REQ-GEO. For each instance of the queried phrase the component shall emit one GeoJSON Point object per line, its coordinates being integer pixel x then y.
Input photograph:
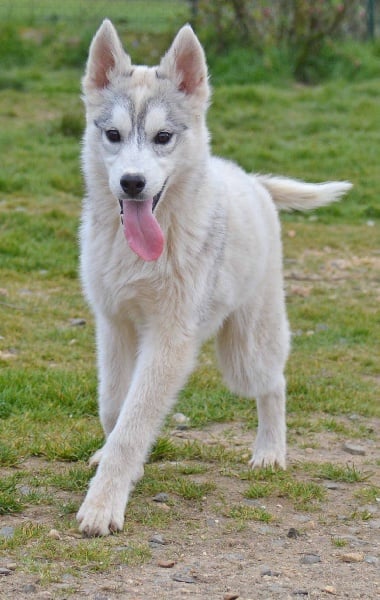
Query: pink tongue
{"type": "Point", "coordinates": [143, 233]}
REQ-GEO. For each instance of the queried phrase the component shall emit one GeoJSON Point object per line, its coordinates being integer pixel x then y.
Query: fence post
{"type": "Point", "coordinates": [194, 11]}
{"type": "Point", "coordinates": [371, 19]}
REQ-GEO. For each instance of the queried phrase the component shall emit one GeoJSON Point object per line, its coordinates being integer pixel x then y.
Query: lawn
{"type": "Point", "coordinates": [48, 416]}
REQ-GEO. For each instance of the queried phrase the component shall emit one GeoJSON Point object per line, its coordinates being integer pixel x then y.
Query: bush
{"type": "Point", "coordinates": [301, 29]}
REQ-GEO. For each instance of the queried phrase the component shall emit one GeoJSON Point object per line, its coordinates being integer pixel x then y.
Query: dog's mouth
{"type": "Point", "coordinates": [141, 228]}
{"type": "Point", "coordinates": [156, 200]}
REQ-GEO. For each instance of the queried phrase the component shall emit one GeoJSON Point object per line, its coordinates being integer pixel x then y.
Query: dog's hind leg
{"type": "Point", "coordinates": [252, 347]}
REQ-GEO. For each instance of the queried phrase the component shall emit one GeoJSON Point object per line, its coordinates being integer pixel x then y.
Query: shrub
{"type": "Point", "coordinates": [301, 29]}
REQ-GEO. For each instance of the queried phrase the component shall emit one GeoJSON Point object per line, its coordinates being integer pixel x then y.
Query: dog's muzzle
{"type": "Point", "coordinates": [156, 200]}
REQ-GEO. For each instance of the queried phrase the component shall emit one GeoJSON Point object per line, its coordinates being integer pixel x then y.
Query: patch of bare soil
{"type": "Point", "coordinates": [333, 552]}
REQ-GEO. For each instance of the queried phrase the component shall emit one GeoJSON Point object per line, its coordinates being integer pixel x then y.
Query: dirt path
{"type": "Point", "coordinates": [204, 553]}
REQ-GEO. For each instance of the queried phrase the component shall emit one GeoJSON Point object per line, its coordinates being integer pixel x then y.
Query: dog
{"type": "Point", "coordinates": [195, 252]}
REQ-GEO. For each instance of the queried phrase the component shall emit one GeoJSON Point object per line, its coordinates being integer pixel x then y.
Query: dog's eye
{"type": "Point", "coordinates": [162, 137]}
{"type": "Point", "coordinates": [113, 135]}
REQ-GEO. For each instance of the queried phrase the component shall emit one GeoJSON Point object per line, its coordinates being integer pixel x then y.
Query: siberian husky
{"type": "Point", "coordinates": [198, 253]}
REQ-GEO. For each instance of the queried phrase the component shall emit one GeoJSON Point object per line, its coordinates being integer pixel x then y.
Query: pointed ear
{"type": "Point", "coordinates": [106, 56]}
{"type": "Point", "coordinates": [185, 64]}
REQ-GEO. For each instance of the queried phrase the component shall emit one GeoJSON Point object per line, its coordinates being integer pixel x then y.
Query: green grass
{"type": "Point", "coordinates": [10, 501]}
{"type": "Point", "coordinates": [46, 12]}
{"type": "Point", "coordinates": [369, 494]}
{"type": "Point", "coordinates": [242, 514]}
{"type": "Point", "coordinates": [338, 542]}
{"type": "Point", "coordinates": [347, 473]}
{"type": "Point", "coordinates": [48, 413]}
{"type": "Point", "coordinates": [175, 481]}
{"type": "Point", "coordinates": [46, 555]}
{"type": "Point", "coordinates": [8, 456]}
{"type": "Point", "coordinates": [75, 479]}
{"type": "Point", "coordinates": [304, 495]}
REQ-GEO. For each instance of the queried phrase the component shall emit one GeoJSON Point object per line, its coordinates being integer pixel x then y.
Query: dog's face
{"type": "Point", "coordinates": [144, 122]}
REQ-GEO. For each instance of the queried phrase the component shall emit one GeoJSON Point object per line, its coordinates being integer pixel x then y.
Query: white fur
{"type": "Point", "coordinates": [220, 271]}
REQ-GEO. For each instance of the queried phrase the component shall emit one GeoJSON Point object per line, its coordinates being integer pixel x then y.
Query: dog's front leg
{"type": "Point", "coordinates": [161, 370]}
{"type": "Point", "coordinates": [117, 351]}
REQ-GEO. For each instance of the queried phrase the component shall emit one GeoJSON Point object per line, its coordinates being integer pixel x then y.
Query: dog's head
{"type": "Point", "coordinates": [142, 123]}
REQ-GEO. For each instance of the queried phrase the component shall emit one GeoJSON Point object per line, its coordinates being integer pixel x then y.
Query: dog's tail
{"type": "Point", "coordinates": [291, 194]}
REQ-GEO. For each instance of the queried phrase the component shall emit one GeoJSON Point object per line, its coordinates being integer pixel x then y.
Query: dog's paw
{"type": "Point", "coordinates": [266, 458]}
{"type": "Point", "coordinates": [96, 458]}
{"type": "Point", "coordinates": [100, 516]}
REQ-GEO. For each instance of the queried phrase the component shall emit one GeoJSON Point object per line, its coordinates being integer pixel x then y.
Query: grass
{"type": "Point", "coordinates": [46, 555]}
{"type": "Point", "coordinates": [369, 494]}
{"type": "Point", "coordinates": [46, 12]}
{"type": "Point", "coordinates": [171, 480]}
{"type": "Point", "coordinates": [304, 495]}
{"type": "Point", "coordinates": [9, 499]}
{"type": "Point", "coordinates": [48, 414]}
{"type": "Point", "coordinates": [242, 514]}
{"type": "Point", "coordinates": [346, 473]}
{"type": "Point", "coordinates": [338, 542]}
{"type": "Point", "coordinates": [287, 485]}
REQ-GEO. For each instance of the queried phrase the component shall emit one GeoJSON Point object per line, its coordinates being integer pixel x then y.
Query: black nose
{"type": "Point", "coordinates": [132, 184]}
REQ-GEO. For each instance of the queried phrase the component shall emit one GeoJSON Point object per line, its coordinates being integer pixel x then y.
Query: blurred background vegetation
{"type": "Point", "coordinates": [247, 41]}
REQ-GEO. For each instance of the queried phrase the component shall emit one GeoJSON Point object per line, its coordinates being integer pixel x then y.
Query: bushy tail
{"type": "Point", "coordinates": [291, 194]}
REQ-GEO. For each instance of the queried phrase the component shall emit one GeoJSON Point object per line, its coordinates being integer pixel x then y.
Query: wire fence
{"type": "Point", "coordinates": [154, 15]}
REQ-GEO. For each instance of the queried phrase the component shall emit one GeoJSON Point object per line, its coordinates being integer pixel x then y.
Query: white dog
{"type": "Point", "coordinates": [198, 254]}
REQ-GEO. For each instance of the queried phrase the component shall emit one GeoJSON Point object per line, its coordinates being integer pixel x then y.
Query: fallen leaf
{"type": "Point", "coordinates": [166, 564]}
{"type": "Point", "coordinates": [298, 290]}
{"type": "Point", "coordinates": [329, 589]}
{"type": "Point", "coordinates": [7, 355]}
{"type": "Point", "coordinates": [351, 557]}
{"type": "Point", "coordinates": [54, 534]}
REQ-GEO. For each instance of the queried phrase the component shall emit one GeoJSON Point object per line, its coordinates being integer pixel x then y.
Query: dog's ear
{"type": "Point", "coordinates": [185, 63]}
{"type": "Point", "coordinates": [106, 57]}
